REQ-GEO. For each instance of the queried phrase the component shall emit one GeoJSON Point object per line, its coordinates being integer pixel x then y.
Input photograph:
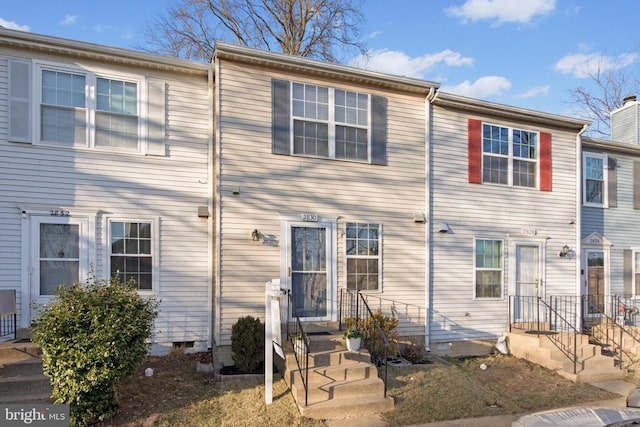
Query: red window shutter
{"type": "Point", "coordinates": [545, 161]}
{"type": "Point", "coordinates": [475, 151]}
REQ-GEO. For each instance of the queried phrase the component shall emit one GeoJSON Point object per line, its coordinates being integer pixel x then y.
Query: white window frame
{"type": "Point", "coordinates": [357, 256]}
{"type": "Point", "coordinates": [511, 157]}
{"type": "Point", "coordinates": [501, 269]}
{"type": "Point", "coordinates": [331, 123]}
{"type": "Point", "coordinates": [91, 78]}
{"type": "Point", "coordinates": [605, 180]}
{"type": "Point", "coordinates": [155, 248]}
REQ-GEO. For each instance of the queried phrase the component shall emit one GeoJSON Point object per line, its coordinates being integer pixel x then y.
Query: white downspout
{"type": "Point", "coordinates": [431, 96]}
{"type": "Point", "coordinates": [217, 273]}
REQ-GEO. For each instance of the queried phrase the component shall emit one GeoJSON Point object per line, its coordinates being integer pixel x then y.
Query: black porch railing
{"type": "Point", "coordinates": [556, 318]}
{"type": "Point", "coordinates": [355, 313]}
{"type": "Point", "coordinates": [300, 343]}
{"type": "Point", "coordinates": [8, 314]}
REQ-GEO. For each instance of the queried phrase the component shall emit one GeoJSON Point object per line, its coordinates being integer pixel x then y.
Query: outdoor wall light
{"type": "Point", "coordinates": [256, 235]}
{"type": "Point", "coordinates": [564, 252]}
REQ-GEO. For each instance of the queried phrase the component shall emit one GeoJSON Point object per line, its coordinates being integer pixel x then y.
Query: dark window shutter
{"type": "Point", "coordinates": [378, 130]}
{"type": "Point", "coordinates": [627, 272]}
{"type": "Point", "coordinates": [157, 118]}
{"type": "Point", "coordinates": [281, 117]}
{"type": "Point", "coordinates": [475, 151]}
{"type": "Point", "coordinates": [546, 171]}
{"type": "Point", "coordinates": [19, 100]}
{"type": "Point", "coordinates": [612, 184]}
{"type": "Point", "coordinates": [636, 185]}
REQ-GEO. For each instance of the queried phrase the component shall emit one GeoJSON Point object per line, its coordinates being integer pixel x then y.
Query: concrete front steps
{"type": "Point", "coordinates": [591, 367]}
{"type": "Point", "coordinates": [21, 377]}
{"type": "Point", "coordinates": [341, 383]}
{"type": "Point", "coordinates": [609, 336]}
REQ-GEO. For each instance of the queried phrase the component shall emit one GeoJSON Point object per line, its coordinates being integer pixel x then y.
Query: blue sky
{"type": "Point", "coordinates": [526, 53]}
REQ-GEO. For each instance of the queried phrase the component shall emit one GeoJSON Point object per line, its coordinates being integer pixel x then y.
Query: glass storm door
{"type": "Point", "coordinates": [58, 255]}
{"type": "Point", "coordinates": [595, 282]}
{"type": "Point", "coordinates": [527, 286]}
{"type": "Point", "coordinates": [308, 270]}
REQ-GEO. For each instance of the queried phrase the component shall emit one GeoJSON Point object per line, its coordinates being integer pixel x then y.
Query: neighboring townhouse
{"type": "Point", "coordinates": [106, 168]}
{"type": "Point", "coordinates": [610, 257]}
{"type": "Point", "coordinates": [502, 195]}
{"type": "Point", "coordinates": [321, 184]}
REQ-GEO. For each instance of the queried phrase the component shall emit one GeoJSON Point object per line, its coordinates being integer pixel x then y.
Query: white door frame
{"type": "Point", "coordinates": [311, 220]}
{"type": "Point", "coordinates": [31, 220]}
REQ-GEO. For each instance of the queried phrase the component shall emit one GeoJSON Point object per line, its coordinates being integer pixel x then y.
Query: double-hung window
{"type": "Point", "coordinates": [325, 122]}
{"type": "Point", "coordinates": [362, 246]}
{"type": "Point", "coordinates": [488, 268]}
{"type": "Point", "coordinates": [83, 109]}
{"type": "Point", "coordinates": [131, 252]}
{"type": "Point", "coordinates": [509, 156]}
{"type": "Point", "coordinates": [594, 185]}
{"type": "Point", "coordinates": [636, 273]}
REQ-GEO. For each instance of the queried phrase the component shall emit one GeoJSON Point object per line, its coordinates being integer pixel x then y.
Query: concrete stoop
{"type": "Point", "coordinates": [592, 366]}
{"type": "Point", "coordinates": [21, 377]}
{"type": "Point", "coordinates": [341, 383]}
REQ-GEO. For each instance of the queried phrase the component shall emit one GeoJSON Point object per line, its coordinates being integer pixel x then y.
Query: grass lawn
{"type": "Point", "coordinates": [179, 396]}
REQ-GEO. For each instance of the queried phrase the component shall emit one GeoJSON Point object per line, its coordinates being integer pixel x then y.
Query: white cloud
{"type": "Point", "coordinates": [585, 64]}
{"type": "Point", "coordinates": [399, 63]}
{"type": "Point", "coordinates": [522, 11]}
{"type": "Point", "coordinates": [481, 88]}
{"type": "Point", "coordinates": [535, 91]}
{"type": "Point", "coordinates": [69, 20]}
{"type": "Point", "coordinates": [13, 26]}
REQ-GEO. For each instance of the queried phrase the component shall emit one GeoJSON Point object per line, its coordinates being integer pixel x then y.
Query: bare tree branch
{"type": "Point", "coordinates": [320, 29]}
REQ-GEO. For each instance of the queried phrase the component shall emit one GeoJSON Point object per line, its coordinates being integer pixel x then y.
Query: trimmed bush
{"type": "Point", "coordinates": [247, 343]}
{"type": "Point", "coordinates": [93, 335]}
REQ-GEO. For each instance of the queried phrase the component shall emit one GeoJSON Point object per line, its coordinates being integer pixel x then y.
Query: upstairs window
{"type": "Point", "coordinates": [363, 243]}
{"type": "Point", "coordinates": [59, 105]}
{"type": "Point", "coordinates": [594, 185]}
{"type": "Point", "coordinates": [63, 108]}
{"type": "Point", "coordinates": [319, 121]}
{"type": "Point", "coordinates": [509, 156]}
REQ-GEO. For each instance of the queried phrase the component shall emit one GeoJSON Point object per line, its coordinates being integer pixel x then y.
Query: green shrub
{"type": "Point", "coordinates": [93, 335]}
{"type": "Point", "coordinates": [247, 343]}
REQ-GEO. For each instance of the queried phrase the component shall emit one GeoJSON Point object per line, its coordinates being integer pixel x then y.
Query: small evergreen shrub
{"type": "Point", "coordinates": [93, 335]}
{"type": "Point", "coordinates": [247, 343]}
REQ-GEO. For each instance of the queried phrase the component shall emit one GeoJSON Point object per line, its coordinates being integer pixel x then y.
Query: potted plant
{"type": "Point", "coordinates": [298, 343]}
{"type": "Point", "coordinates": [353, 337]}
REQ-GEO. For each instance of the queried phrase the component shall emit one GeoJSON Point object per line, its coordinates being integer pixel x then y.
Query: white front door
{"type": "Point", "coordinates": [58, 255]}
{"type": "Point", "coordinates": [310, 278]}
{"type": "Point", "coordinates": [528, 286]}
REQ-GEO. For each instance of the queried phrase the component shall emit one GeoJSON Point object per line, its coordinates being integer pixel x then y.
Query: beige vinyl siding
{"type": "Point", "coordinates": [271, 185]}
{"type": "Point", "coordinates": [127, 186]}
{"type": "Point", "coordinates": [492, 212]}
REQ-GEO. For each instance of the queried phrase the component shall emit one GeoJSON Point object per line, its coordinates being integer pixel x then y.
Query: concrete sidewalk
{"type": "Point", "coordinates": [621, 388]}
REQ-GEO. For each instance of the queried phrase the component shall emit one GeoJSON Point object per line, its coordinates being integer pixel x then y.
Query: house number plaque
{"type": "Point", "coordinates": [58, 212]}
{"type": "Point", "coordinates": [308, 217]}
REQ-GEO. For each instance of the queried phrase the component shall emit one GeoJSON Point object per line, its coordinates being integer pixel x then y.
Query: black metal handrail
{"type": "Point", "coordinates": [355, 313]}
{"type": "Point", "coordinates": [300, 343]}
{"type": "Point", "coordinates": [556, 319]}
{"type": "Point", "coordinates": [8, 314]}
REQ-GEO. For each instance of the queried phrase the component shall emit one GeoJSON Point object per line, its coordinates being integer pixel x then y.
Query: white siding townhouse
{"type": "Point", "coordinates": [205, 181]}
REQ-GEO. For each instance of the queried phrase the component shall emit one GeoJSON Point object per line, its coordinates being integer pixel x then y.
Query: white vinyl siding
{"type": "Point", "coordinates": [350, 191]}
{"type": "Point", "coordinates": [496, 211]}
{"type": "Point", "coordinates": [127, 186]}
